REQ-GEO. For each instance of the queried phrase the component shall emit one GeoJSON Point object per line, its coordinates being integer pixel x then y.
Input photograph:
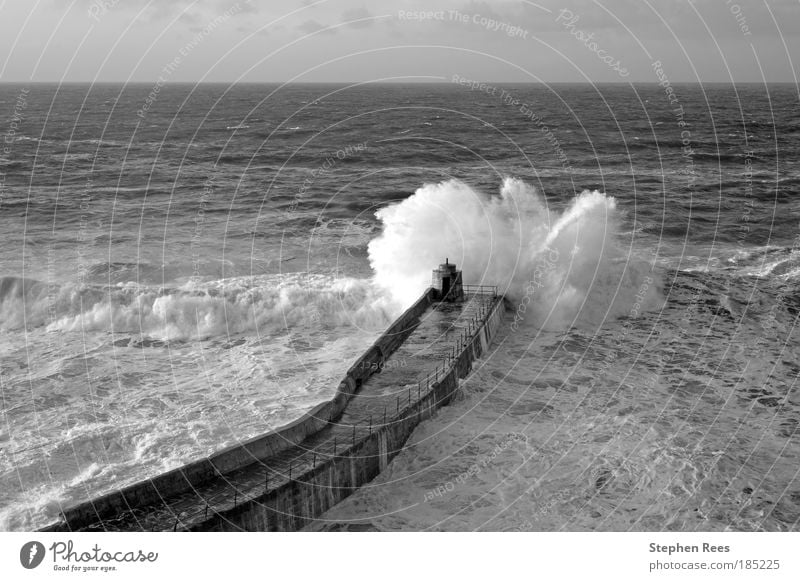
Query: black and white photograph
{"type": "Point", "coordinates": [422, 266]}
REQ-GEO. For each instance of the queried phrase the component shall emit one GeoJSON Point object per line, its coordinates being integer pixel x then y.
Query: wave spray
{"type": "Point", "coordinates": [560, 268]}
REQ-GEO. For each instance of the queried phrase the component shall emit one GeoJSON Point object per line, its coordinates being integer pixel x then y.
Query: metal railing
{"type": "Point", "coordinates": [480, 289]}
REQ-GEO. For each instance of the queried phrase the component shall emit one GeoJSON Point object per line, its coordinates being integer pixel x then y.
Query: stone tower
{"type": "Point", "coordinates": [447, 282]}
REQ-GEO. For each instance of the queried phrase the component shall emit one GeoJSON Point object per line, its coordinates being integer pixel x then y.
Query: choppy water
{"type": "Point", "coordinates": [176, 280]}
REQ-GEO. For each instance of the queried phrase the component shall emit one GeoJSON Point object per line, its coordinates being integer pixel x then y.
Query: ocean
{"type": "Point", "coordinates": [187, 266]}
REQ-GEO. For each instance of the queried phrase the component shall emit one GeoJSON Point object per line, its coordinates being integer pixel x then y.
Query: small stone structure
{"type": "Point", "coordinates": [447, 283]}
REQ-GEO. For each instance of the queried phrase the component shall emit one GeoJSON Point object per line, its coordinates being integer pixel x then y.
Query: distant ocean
{"type": "Point", "coordinates": [186, 267]}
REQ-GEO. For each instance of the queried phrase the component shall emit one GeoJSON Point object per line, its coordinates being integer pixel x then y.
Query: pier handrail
{"type": "Point", "coordinates": [480, 289]}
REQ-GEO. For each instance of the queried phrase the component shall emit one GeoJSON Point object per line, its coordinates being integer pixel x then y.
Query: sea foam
{"type": "Point", "coordinates": [559, 267]}
{"type": "Point", "coordinates": [198, 310]}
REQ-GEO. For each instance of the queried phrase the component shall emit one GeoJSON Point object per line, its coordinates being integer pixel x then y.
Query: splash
{"type": "Point", "coordinates": [561, 268]}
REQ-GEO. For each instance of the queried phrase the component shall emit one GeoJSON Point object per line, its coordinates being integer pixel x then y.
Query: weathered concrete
{"type": "Point", "coordinates": [252, 486]}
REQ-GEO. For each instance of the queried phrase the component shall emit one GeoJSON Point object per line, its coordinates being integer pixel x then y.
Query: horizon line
{"type": "Point", "coordinates": [389, 82]}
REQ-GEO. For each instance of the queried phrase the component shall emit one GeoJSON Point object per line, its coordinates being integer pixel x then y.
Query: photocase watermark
{"type": "Point", "coordinates": [378, 367]}
{"type": "Point", "coordinates": [546, 262]}
{"type": "Point", "coordinates": [475, 468]}
{"type": "Point", "coordinates": [599, 476]}
{"type": "Point", "coordinates": [687, 152]}
{"type": "Point", "coordinates": [421, 15]}
{"type": "Point", "coordinates": [31, 554]}
{"type": "Point", "coordinates": [738, 14]}
{"type": "Point", "coordinates": [541, 509]}
{"type": "Point", "coordinates": [568, 20]}
{"type": "Point", "coordinates": [9, 136]}
{"type": "Point", "coordinates": [490, 24]}
{"type": "Point", "coordinates": [100, 7]}
{"type": "Point", "coordinates": [83, 228]}
{"type": "Point", "coordinates": [640, 295]}
{"type": "Point", "coordinates": [525, 109]}
{"type": "Point", "coordinates": [199, 220]}
{"type": "Point", "coordinates": [325, 167]}
{"type": "Point", "coordinates": [633, 313]}
{"type": "Point", "coordinates": [67, 558]}
{"type": "Point", "coordinates": [96, 558]}
{"type": "Point", "coordinates": [152, 96]}
{"type": "Point", "coordinates": [744, 229]}
{"type": "Point", "coordinates": [17, 118]}
{"type": "Point", "coordinates": [169, 69]}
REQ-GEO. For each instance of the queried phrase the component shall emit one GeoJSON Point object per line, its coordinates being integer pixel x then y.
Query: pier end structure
{"type": "Point", "coordinates": [447, 283]}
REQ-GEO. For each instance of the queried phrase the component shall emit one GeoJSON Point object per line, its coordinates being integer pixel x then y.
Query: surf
{"type": "Point", "coordinates": [567, 266]}
{"type": "Point", "coordinates": [264, 304]}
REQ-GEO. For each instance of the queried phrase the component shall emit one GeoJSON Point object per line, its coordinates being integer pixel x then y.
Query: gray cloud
{"type": "Point", "coordinates": [695, 39]}
{"type": "Point", "coordinates": [312, 26]}
{"type": "Point", "coordinates": [245, 6]}
{"type": "Point", "coordinates": [358, 14]}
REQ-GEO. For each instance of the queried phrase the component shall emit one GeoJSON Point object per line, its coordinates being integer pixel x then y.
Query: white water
{"type": "Point", "coordinates": [562, 267]}
{"type": "Point", "coordinates": [195, 310]}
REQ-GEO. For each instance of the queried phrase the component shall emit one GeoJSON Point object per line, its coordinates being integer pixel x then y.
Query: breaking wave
{"type": "Point", "coordinates": [193, 311]}
{"type": "Point", "coordinates": [563, 267]}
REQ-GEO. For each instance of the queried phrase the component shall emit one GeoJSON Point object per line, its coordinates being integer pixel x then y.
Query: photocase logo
{"type": "Point", "coordinates": [31, 554]}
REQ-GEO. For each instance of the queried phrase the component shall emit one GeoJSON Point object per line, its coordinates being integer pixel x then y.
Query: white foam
{"type": "Point", "coordinates": [209, 309]}
{"type": "Point", "coordinates": [562, 266]}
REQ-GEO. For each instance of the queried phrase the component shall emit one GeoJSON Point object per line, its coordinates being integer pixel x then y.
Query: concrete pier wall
{"type": "Point", "coordinates": [296, 503]}
{"type": "Point", "coordinates": [187, 477]}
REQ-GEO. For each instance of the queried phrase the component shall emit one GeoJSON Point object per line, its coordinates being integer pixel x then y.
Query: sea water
{"type": "Point", "coordinates": [182, 278]}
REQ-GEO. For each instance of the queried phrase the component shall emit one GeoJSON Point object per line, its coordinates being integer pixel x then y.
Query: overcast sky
{"type": "Point", "coordinates": [356, 40]}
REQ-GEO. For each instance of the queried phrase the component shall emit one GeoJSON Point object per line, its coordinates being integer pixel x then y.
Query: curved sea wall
{"type": "Point", "coordinates": [259, 448]}
{"type": "Point", "coordinates": [299, 501]}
